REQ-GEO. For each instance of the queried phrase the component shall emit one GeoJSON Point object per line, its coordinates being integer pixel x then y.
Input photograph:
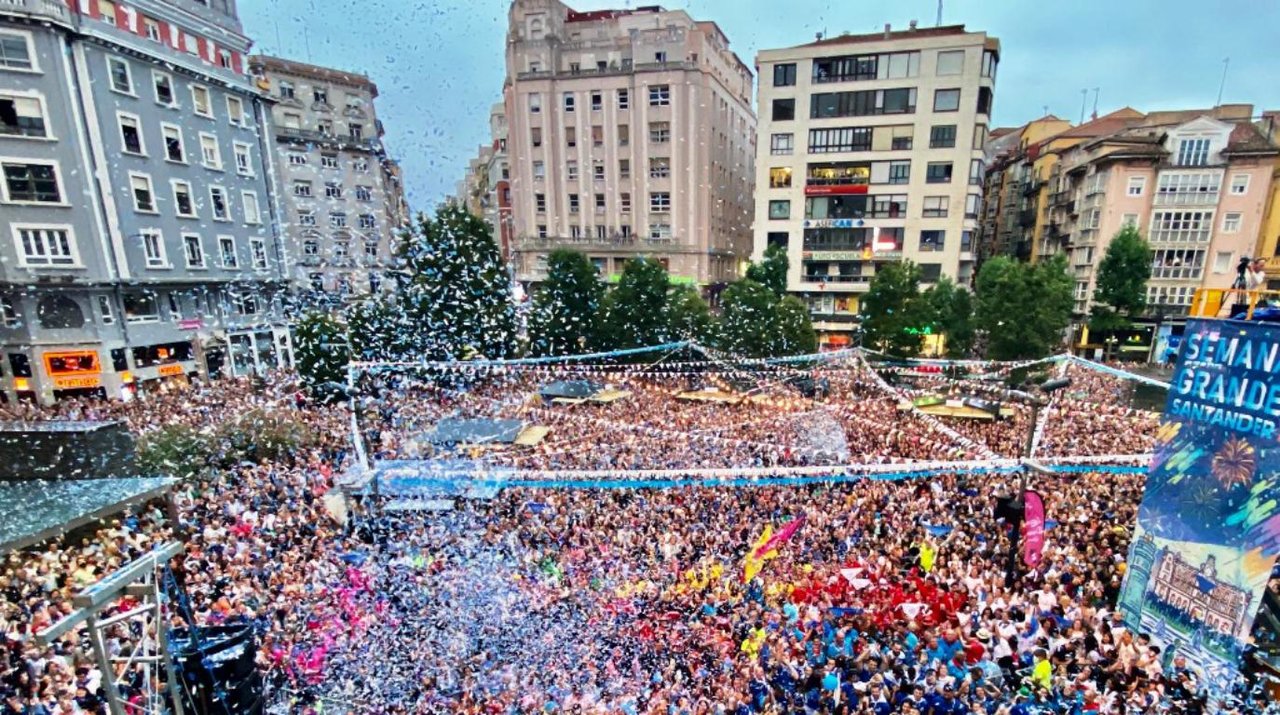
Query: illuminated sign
{"type": "Point", "coordinates": [832, 255]}
{"type": "Point", "coordinates": [837, 190]}
{"type": "Point", "coordinates": [76, 383]}
{"type": "Point", "coordinates": [78, 362]}
{"type": "Point", "coordinates": [170, 370]}
{"type": "Point", "coordinates": [833, 223]}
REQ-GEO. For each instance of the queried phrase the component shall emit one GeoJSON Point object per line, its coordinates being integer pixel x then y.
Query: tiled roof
{"type": "Point", "coordinates": [1247, 139]}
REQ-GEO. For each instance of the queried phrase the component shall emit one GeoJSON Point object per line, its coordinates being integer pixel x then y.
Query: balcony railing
{"type": "Point", "coordinates": [51, 9]}
{"type": "Point", "coordinates": [314, 137]}
{"type": "Point", "coordinates": [1027, 217]}
{"type": "Point", "coordinates": [836, 279]}
{"type": "Point", "coordinates": [613, 242]}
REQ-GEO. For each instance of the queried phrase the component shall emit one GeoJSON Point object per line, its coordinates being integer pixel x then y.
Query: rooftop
{"type": "Point", "coordinates": [260, 63]}
{"type": "Point", "coordinates": [35, 511]}
{"type": "Point", "coordinates": [889, 35]}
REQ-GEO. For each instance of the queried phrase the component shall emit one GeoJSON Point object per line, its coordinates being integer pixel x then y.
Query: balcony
{"type": "Point", "coordinates": [290, 134]}
{"type": "Point", "coordinates": [615, 242]}
{"type": "Point", "coordinates": [844, 280]}
{"type": "Point", "coordinates": [1027, 217]}
{"type": "Point", "coordinates": [38, 9]}
{"type": "Point", "coordinates": [1031, 187]}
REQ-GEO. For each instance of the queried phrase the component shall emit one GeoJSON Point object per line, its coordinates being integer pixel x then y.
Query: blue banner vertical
{"type": "Point", "coordinates": [1208, 527]}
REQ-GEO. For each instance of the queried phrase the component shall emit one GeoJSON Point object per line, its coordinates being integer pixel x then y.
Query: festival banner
{"type": "Point", "coordinates": [1033, 525]}
{"type": "Point", "coordinates": [1208, 526]}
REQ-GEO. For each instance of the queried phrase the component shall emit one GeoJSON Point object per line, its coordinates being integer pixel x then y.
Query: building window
{"type": "Point", "coordinates": [597, 170]}
{"type": "Point", "coordinates": [902, 137]}
{"type": "Point", "coordinates": [144, 199]}
{"type": "Point", "coordinates": [1137, 185]}
{"type": "Point", "coordinates": [41, 246]}
{"type": "Point", "coordinates": [597, 101]}
{"type": "Point", "coordinates": [141, 308]}
{"type": "Point", "coordinates": [975, 172]}
{"type": "Point", "coordinates": [364, 193]}
{"type": "Point", "coordinates": [574, 207]}
{"type": "Point", "coordinates": [935, 206]}
{"type": "Point", "coordinates": [104, 309]}
{"type": "Point", "coordinates": [1239, 184]}
{"type": "Point", "coordinates": [984, 100]}
{"type": "Point", "coordinates": [22, 116]}
{"type": "Point", "coordinates": [332, 190]}
{"type": "Point", "coordinates": [1195, 187]}
{"type": "Point", "coordinates": [932, 240]}
{"type": "Point", "coordinates": [131, 134]}
{"type": "Point", "coordinates": [600, 204]}
{"type": "Point", "coordinates": [1231, 222]}
{"type": "Point", "coordinates": [946, 100]}
{"type": "Point", "coordinates": [597, 136]}
{"type": "Point", "coordinates": [1130, 220]}
{"type": "Point", "coordinates": [200, 100]}
{"type": "Point", "coordinates": [624, 168]}
{"type": "Point", "coordinates": [782, 144]}
{"type": "Point", "coordinates": [210, 154]}
{"type": "Point", "coordinates": [542, 230]}
{"type": "Point", "coordinates": [784, 110]}
{"type": "Point", "coordinates": [218, 201]}
{"type": "Point", "coordinates": [624, 99]}
{"type": "Point", "coordinates": [540, 203]}
{"type": "Point", "coordinates": [535, 103]}
{"type": "Point", "coordinates": [235, 111]}
{"type": "Point", "coordinates": [193, 249]}
{"type": "Point", "coordinates": [15, 53]}
{"type": "Point", "coordinates": [972, 203]}
{"type": "Point", "coordinates": [660, 232]}
{"type": "Point", "coordinates": [938, 172]}
{"type": "Point", "coordinates": [568, 102]}
{"type": "Point", "coordinates": [989, 62]}
{"type": "Point", "coordinates": [899, 172]}
{"type": "Point", "coordinates": [950, 62]}
{"type": "Point", "coordinates": [660, 202]}
{"type": "Point", "coordinates": [827, 105]}
{"type": "Point", "coordinates": [227, 250]}
{"type": "Point", "coordinates": [942, 136]}
{"type": "Point", "coordinates": [367, 221]}
{"type": "Point", "coordinates": [325, 127]}
{"type": "Point", "coordinates": [302, 189]}
{"type": "Point", "coordinates": [1193, 152]}
{"type": "Point", "coordinates": [174, 148]}
{"type": "Point", "coordinates": [249, 202]}
{"type": "Point", "coordinates": [341, 249]}
{"type": "Point", "coordinates": [624, 203]}
{"type": "Point", "coordinates": [337, 219]}
{"type": "Point", "coordinates": [121, 77]}
{"type": "Point", "coordinates": [258, 251]}
{"type": "Point", "coordinates": [624, 134]}
{"type": "Point", "coordinates": [535, 136]}
{"type": "Point", "coordinates": [182, 202]}
{"type": "Point", "coordinates": [966, 241]}
{"type": "Point", "coordinates": [539, 170]}
{"type": "Point", "coordinates": [780, 177]}
{"type": "Point", "coordinates": [1180, 227]}
{"type": "Point", "coordinates": [571, 170]}
{"type": "Point", "coordinates": [570, 137]}
{"type": "Point", "coordinates": [320, 95]}
{"type": "Point", "coordinates": [163, 85]}
{"type": "Point", "coordinates": [659, 132]}
{"type": "Point", "coordinates": [624, 230]}
{"type": "Point", "coordinates": [784, 75]}
{"type": "Point", "coordinates": [153, 249]}
{"type": "Point", "coordinates": [306, 218]}
{"type": "Point", "coordinates": [224, 59]}
{"type": "Point", "coordinates": [244, 160]}
{"type": "Point", "coordinates": [371, 249]}
{"type": "Point", "coordinates": [842, 139]}
{"type": "Point", "coordinates": [779, 209]}
{"type": "Point", "coordinates": [575, 231]}
{"type": "Point", "coordinates": [311, 247]}
{"type": "Point", "coordinates": [287, 90]}
{"type": "Point", "coordinates": [659, 167]}
{"type": "Point", "coordinates": [29, 182]}
{"type": "Point", "coordinates": [355, 131]}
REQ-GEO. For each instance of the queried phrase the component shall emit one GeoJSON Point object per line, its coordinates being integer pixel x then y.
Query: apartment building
{"type": "Point", "coordinates": [630, 132]}
{"type": "Point", "coordinates": [339, 199]}
{"type": "Point", "coordinates": [485, 189]}
{"type": "Point", "coordinates": [1196, 183]}
{"type": "Point", "coordinates": [870, 150]}
{"type": "Point", "coordinates": [137, 199]}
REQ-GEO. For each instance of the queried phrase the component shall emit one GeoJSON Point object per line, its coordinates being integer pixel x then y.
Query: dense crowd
{"type": "Point", "coordinates": [890, 597]}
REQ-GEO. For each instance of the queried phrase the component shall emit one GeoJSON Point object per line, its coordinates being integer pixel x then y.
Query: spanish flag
{"type": "Point", "coordinates": [766, 547]}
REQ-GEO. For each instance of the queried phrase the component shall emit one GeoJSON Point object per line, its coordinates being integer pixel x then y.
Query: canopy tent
{"type": "Point", "coordinates": [65, 449]}
{"type": "Point", "coordinates": [712, 395]}
{"type": "Point", "coordinates": [967, 407]}
{"type": "Point", "coordinates": [454, 430]}
{"type": "Point", "coordinates": [573, 392]}
{"type": "Point", "coordinates": [34, 511]}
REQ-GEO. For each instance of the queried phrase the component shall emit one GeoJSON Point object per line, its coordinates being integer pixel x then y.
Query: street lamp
{"type": "Point", "coordinates": [1037, 401]}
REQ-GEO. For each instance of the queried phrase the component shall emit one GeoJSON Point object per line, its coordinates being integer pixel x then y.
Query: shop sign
{"type": "Point", "coordinates": [72, 363]}
{"type": "Point", "coordinates": [833, 255]}
{"type": "Point", "coordinates": [76, 383]}
{"type": "Point", "coordinates": [190, 324]}
{"type": "Point", "coordinates": [170, 370]}
{"type": "Point", "coordinates": [836, 190]}
{"type": "Point", "coordinates": [833, 223]}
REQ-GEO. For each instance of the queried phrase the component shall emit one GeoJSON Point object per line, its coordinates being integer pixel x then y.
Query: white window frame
{"type": "Point", "coordinates": [186, 255]}
{"type": "Point", "coordinates": [247, 169]}
{"type": "Point", "coordinates": [148, 25]}
{"type": "Point", "coordinates": [659, 205]}
{"type": "Point", "coordinates": [297, 183]}
{"type": "Point", "coordinates": [222, 255]}
{"type": "Point", "coordinates": [182, 143]}
{"type": "Point", "coordinates": [160, 261]}
{"type": "Point", "coordinates": [364, 193]}
{"type": "Point", "coordinates": [235, 118]}
{"type": "Point", "coordinates": [204, 160]}
{"type": "Point", "coordinates": [247, 199]}
{"type": "Point", "coordinates": [18, 228]}
{"type": "Point", "coordinates": [44, 113]}
{"type": "Point", "coordinates": [151, 189]}
{"type": "Point", "coordinates": [226, 203]}
{"type": "Point", "coordinates": [298, 155]}
{"type": "Point", "coordinates": [57, 178]}
{"type": "Point", "coordinates": [1244, 188]}
{"type": "Point", "coordinates": [137, 125]}
{"type": "Point", "coordinates": [128, 71]}
{"type": "Point", "coordinates": [195, 210]}
{"type": "Point", "coordinates": [624, 100]}
{"type": "Point", "coordinates": [254, 245]}
{"type": "Point", "coordinates": [1232, 217]}
{"type": "Point", "coordinates": [173, 89]}
{"type": "Point", "coordinates": [659, 95]}
{"type": "Point", "coordinates": [195, 104]}
{"type": "Point", "coordinates": [535, 102]}
{"type": "Point", "coordinates": [1137, 186]}
{"type": "Point", "coordinates": [105, 311]}
{"type": "Point", "coordinates": [29, 40]}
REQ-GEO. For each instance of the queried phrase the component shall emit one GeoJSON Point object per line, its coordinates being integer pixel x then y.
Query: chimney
{"type": "Point", "coordinates": [911, 26]}
{"type": "Point", "coordinates": [887, 29]}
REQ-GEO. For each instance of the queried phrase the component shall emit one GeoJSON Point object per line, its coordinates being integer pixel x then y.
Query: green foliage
{"type": "Point", "coordinates": [688, 315]}
{"type": "Point", "coordinates": [894, 311]}
{"type": "Point", "coordinates": [1024, 307]}
{"type": "Point", "coordinates": [453, 298]}
{"type": "Point", "coordinates": [175, 451]}
{"type": "Point", "coordinates": [951, 314]}
{"type": "Point", "coordinates": [634, 314]}
{"type": "Point", "coordinates": [566, 308]}
{"type": "Point", "coordinates": [755, 322]}
{"type": "Point", "coordinates": [771, 271]}
{"type": "Point", "coordinates": [1121, 291]}
{"type": "Point", "coordinates": [187, 452]}
{"type": "Point", "coordinates": [321, 352]}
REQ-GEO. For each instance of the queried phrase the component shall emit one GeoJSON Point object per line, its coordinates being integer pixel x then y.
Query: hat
{"type": "Point", "coordinates": [984, 634]}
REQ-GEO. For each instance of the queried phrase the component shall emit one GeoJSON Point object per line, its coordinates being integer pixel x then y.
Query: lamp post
{"type": "Point", "coordinates": [1038, 401]}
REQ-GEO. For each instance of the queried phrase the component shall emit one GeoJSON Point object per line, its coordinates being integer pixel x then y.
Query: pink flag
{"type": "Point", "coordinates": [784, 534]}
{"type": "Point", "coordinates": [1033, 536]}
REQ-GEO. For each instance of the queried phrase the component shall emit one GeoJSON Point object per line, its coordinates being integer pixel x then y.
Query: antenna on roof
{"type": "Point", "coordinates": [1084, 100]}
{"type": "Point", "coordinates": [1226, 63]}
{"type": "Point", "coordinates": [939, 23]}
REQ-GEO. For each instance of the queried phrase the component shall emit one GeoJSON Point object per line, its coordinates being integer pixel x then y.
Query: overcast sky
{"type": "Point", "coordinates": [439, 63]}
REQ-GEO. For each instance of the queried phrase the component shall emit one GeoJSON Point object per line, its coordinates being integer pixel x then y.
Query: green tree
{"type": "Point", "coordinates": [688, 315]}
{"type": "Point", "coordinates": [755, 322]}
{"type": "Point", "coordinates": [454, 294]}
{"type": "Point", "coordinates": [322, 352]}
{"type": "Point", "coordinates": [771, 271]}
{"type": "Point", "coordinates": [894, 312]}
{"type": "Point", "coordinates": [951, 314]}
{"type": "Point", "coordinates": [634, 313]}
{"type": "Point", "coordinates": [1024, 307]}
{"type": "Point", "coordinates": [1121, 291]}
{"type": "Point", "coordinates": [378, 330]}
{"type": "Point", "coordinates": [795, 328]}
{"type": "Point", "coordinates": [175, 451]}
{"type": "Point", "coordinates": [566, 308]}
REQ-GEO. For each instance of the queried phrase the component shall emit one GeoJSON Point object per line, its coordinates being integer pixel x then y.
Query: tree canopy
{"type": "Point", "coordinates": [564, 319]}
{"type": "Point", "coordinates": [1121, 289]}
{"type": "Point", "coordinates": [771, 271]}
{"type": "Point", "coordinates": [634, 313]}
{"type": "Point", "coordinates": [894, 311]}
{"type": "Point", "coordinates": [1024, 307]}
